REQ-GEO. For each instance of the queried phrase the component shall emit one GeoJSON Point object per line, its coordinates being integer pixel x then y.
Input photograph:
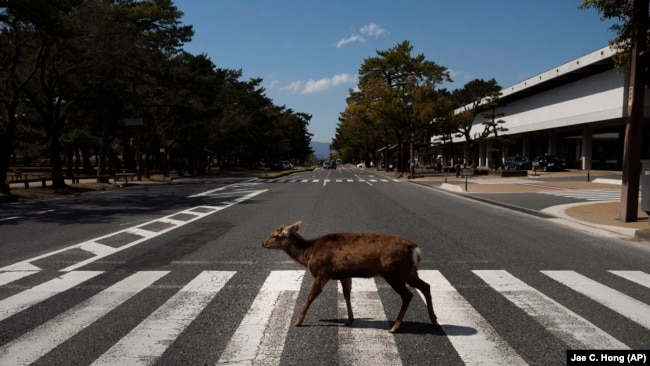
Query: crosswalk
{"type": "Point", "coordinates": [325, 180]}
{"type": "Point", "coordinates": [261, 336]}
{"type": "Point", "coordinates": [588, 194]}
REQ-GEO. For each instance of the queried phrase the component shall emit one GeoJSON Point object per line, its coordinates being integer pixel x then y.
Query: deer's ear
{"type": "Point", "coordinates": [293, 228]}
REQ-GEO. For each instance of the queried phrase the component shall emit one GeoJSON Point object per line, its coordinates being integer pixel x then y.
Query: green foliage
{"type": "Point", "coordinates": [622, 11]}
{"type": "Point", "coordinates": [73, 70]}
{"type": "Point", "coordinates": [395, 101]}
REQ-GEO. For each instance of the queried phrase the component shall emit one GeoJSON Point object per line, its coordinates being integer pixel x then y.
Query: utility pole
{"type": "Point", "coordinates": [635, 109]}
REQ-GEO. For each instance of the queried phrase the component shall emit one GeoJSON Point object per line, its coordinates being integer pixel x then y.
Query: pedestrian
{"type": "Point", "coordinates": [457, 170]}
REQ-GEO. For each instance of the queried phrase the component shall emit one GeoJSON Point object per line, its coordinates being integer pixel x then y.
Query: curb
{"type": "Point", "coordinates": [560, 212]}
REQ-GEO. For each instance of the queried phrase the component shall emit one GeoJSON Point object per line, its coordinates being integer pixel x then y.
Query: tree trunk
{"type": "Point", "coordinates": [6, 146]}
{"type": "Point", "coordinates": [58, 180]}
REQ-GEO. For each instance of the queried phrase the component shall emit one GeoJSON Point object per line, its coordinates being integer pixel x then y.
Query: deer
{"type": "Point", "coordinates": [341, 256]}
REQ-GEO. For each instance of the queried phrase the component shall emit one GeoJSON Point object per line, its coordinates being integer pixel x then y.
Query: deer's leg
{"type": "Point", "coordinates": [406, 294]}
{"type": "Point", "coordinates": [346, 283]}
{"type": "Point", "coordinates": [424, 287]}
{"type": "Point", "coordinates": [316, 288]}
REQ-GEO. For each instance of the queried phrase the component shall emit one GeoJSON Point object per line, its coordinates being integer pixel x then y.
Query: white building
{"type": "Point", "coordinates": [575, 111]}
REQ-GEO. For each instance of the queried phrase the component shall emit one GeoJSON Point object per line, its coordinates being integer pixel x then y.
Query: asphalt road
{"type": "Point", "coordinates": [175, 274]}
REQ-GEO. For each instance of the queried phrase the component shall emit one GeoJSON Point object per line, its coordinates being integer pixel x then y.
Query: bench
{"type": "Point", "coordinates": [174, 174]}
{"type": "Point", "coordinates": [102, 178]}
{"type": "Point", "coordinates": [117, 176]}
{"type": "Point", "coordinates": [43, 181]}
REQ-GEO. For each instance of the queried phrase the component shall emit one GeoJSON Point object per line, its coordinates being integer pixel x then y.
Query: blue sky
{"type": "Point", "coordinates": [308, 52]}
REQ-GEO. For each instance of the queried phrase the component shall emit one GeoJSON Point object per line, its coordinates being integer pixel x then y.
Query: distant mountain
{"type": "Point", "coordinates": [321, 149]}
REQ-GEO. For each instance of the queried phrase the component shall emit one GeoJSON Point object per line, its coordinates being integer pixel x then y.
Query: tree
{"type": "Point", "coordinates": [72, 70]}
{"type": "Point", "coordinates": [622, 10]}
{"type": "Point", "coordinates": [474, 98]}
{"type": "Point", "coordinates": [632, 41]}
{"type": "Point", "coordinates": [396, 89]}
{"type": "Point", "coordinates": [15, 72]}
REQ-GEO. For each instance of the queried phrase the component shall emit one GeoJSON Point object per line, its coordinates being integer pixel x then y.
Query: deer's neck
{"type": "Point", "coordinates": [300, 250]}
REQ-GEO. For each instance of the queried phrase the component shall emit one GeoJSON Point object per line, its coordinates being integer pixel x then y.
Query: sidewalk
{"type": "Point", "coordinates": [601, 215]}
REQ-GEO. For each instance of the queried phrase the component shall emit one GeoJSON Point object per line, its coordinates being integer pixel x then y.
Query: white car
{"type": "Point", "coordinates": [361, 165]}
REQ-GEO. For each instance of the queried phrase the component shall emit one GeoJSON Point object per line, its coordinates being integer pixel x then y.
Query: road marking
{"type": "Point", "coordinates": [28, 298]}
{"type": "Point", "coordinates": [136, 233]}
{"type": "Point", "coordinates": [34, 344]}
{"type": "Point", "coordinates": [625, 305]}
{"type": "Point", "coordinates": [365, 343]}
{"type": "Point", "coordinates": [260, 337]}
{"type": "Point", "coordinates": [589, 194]}
{"type": "Point", "coordinates": [10, 218]}
{"type": "Point", "coordinates": [8, 277]}
{"type": "Point", "coordinates": [566, 325]}
{"type": "Point", "coordinates": [484, 346]}
{"type": "Point", "coordinates": [639, 277]}
{"type": "Point", "coordinates": [149, 340]}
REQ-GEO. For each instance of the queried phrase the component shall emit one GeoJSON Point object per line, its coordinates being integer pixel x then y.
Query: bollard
{"type": "Point", "coordinates": [588, 174]}
{"type": "Point", "coordinates": [465, 183]}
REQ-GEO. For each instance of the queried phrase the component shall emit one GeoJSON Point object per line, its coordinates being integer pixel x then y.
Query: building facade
{"type": "Point", "coordinates": [576, 111]}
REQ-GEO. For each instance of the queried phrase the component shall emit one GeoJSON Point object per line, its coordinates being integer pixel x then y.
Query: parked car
{"type": "Point", "coordinates": [548, 163]}
{"type": "Point", "coordinates": [286, 165]}
{"type": "Point", "coordinates": [361, 165]}
{"type": "Point", "coordinates": [281, 165]}
{"type": "Point", "coordinates": [275, 166]}
{"type": "Point", "coordinates": [518, 163]}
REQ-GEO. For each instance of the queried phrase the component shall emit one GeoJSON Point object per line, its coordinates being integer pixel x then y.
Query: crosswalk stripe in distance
{"type": "Point", "coordinates": [588, 194]}
{"type": "Point", "coordinates": [332, 180]}
{"type": "Point", "coordinates": [262, 333]}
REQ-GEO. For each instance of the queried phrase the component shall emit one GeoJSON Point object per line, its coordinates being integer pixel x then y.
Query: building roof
{"type": "Point", "coordinates": [590, 64]}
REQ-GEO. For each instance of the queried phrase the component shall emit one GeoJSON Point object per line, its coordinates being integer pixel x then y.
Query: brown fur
{"type": "Point", "coordinates": [341, 256]}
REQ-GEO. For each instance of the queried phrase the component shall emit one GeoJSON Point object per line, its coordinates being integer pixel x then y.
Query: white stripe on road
{"type": "Point", "coordinates": [571, 328]}
{"type": "Point", "coordinates": [485, 346]}
{"type": "Point", "coordinates": [639, 277]}
{"type": "Point", "coordinates": [260, 337]}
{"type": "Point", "coordinates": [625, 305]}
{"type": "Point", "coordinates": [8, 277]}
{"type": "Point", "coordinates": [365, 343]}
{"type": "Point", "coordinates": [149, 340]}
{"type": "Point", "coordinates": [101, 251]}
{"type": "Point", "coordinates": [39, 341]}
{"type": "Point", "coordinates": [28, 298]}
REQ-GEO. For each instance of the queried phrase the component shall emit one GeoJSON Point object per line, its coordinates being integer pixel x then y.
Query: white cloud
{"type": "Point", "coordinates": [293, 87]}
{"type": "Point", "coordinates": [352, 38]}
{"type": "Point", "coordinates": [370, 30]}
{"type": "Point", "coordinates": [316, 86]}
